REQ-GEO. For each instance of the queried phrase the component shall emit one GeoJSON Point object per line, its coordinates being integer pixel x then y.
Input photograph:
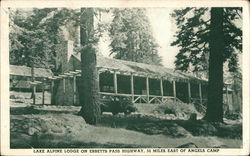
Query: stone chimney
{"type": "Point", "coordinates": [64, 51]}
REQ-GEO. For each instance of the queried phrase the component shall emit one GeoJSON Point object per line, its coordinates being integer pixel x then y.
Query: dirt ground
{"type": "Point", "coordinates": [69, 130]}
{"type": "Point", "coordinates": [45, 126]}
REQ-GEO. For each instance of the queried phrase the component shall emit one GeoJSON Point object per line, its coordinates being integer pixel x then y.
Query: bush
{"type": "Point", "coordinates": [118, 105]}
{"type": "Point", "coordinates": [233, 115]}
{"type": "Point", "coordinates": [177, 109]}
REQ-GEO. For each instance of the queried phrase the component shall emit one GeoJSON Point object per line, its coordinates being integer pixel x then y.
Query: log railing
{"type": "Point", "coordinates": [150, 99]}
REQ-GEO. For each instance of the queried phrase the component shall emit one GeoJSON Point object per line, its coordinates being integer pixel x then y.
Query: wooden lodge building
{"type": "Point", "coordinates": [144, 83]}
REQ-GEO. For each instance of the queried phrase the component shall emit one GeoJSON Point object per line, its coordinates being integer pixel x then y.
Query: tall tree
{"type": "Point", "coordinates": [89, 96]}
{"type": "Point", "coordinates": [36, 33]}
{"type": "Point", "coordinates": [215, 82]}
{"type": "Point", "coordinates": [131, 37]}
{"type": "Point", "coordinates": [28, 41]}
{"type": "Point", "coordinates": [207, 38]}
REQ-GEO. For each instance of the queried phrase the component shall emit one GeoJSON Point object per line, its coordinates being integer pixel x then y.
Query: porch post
{"type": "Point", "coordinates": [189, 92]}
{"type": "Point", "coordinates": [132, 86]}
{"type": "Point", "coordinates": [34, 96]}
{"type": "Point", "coordinates": [200, 93]}
{"type": "Point", "coordinates": [52, 92]}
{"type": "Point", "coordinates": [63, 91]}
{"type": "Point", "coordinates": [43, 96]}
{"type": "Point", "coordinates": [161, 87]}
{"type": "Point", "coordinates": [115, 82]}
{"type": "Point", "coordinates": [174, 90]}
{"type": "Point", "coordinates": [74, 89]}
{"type": "Point", "coordinates": [98, 80]}
{"type": "Point", "coordinates": [227, 95]}
{"type": "Point", "coordinates": [147, 88]}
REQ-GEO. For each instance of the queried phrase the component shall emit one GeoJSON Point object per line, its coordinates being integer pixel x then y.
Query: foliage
{"type": "Point", "coordinates": [118, 104]}
{"type": "Point", "coordinates": [36, 33]}
{"type": "Point", "coordinates": [192, 36]}
{"type": "Point", "coordinates": [131, 37]}
{"type": "Point", "coordinates": [177, 109]}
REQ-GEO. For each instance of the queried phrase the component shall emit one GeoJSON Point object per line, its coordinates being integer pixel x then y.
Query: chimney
{"type": "Point", "coordinates": [64, 52]}
{"type": "Point", "coordinates": [70, 49]}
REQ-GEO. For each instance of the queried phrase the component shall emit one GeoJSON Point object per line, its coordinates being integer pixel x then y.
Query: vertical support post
{"type": "Point", "coordinates": [189, 92]}
{"type": "Point", "coordinates": [63, 91]}
{"type": "Point", "coordinates": [43, 96]}
{"type": "Point", "coordinates": [227, 100]}
{"type": "Point", "coordinates": [115, 82]}
{"type": "Point", "coordinates": [161, 87]}
{"type": "Point", "coordinates": [52, 92]}
{"type": "Point", "coordinates": [34, 94]}
{"type": "Point", "coordinates": [174, 90]}
{"type": "Point", "coordinates": [74, 89]}
{"type": "Point", "coordinates": [200, 93]}
{"type": "Point", "coordinates": [98, 80]}
{"type": "Point", "coordinates": [147, 88]}
{"type": "Point", "coordinates": [132, 86]}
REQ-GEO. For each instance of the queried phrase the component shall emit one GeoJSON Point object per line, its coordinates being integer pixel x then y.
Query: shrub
{"type": "Point", "coordinates": [178, 109]}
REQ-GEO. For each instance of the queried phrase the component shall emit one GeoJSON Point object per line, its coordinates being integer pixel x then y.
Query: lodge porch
{"type": "Point", "coordinates": [139, 87]}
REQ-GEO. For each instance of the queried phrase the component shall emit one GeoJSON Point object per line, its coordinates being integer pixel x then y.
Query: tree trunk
{"type": "Point", "coordinates": [214, 111]}
{"type": "Point", "coordinates": [32, 79]}
{"type": "Point", "coordinates": [89, 96]}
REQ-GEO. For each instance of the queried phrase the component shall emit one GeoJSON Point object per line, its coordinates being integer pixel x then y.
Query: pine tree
{"type": "Point", "coordinates": [215, 82]}
{"type": "Point", "coordinates": [207, 38]}
{"type": "Point", "coordinates": [192, 37]}
{"type": "Point", "coordinates": [89, 96]}
{"type": "Point", "coordinates": [131, 37]}
{"type": "Point", "coordinates": [35, 35]}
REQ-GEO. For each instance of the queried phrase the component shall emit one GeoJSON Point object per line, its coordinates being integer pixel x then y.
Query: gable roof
{"type": "Point", "coordinates": [26, 71]}
{"type": "Point", "coordinates": [142, 69]}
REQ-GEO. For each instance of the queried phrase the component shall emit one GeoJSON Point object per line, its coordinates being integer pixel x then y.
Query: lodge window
{"type": "Point", "coordinates": [194, 90]}
{"type": "Point", "coordinates": [140, 85]}
{"type": "Point", "coordinates": [154, 87]}
{"type": "Point", "coordinates": [168, 88]}
{"type": "Point", "coordinates": [182, 91]}
{"type": "Point", "coordinates": [106, 82]}
{"type": "Point", "coordinates": [123, 84]}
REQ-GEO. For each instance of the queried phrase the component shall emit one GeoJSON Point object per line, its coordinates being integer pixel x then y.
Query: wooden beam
{"type": "Point", "coordinates": [43, 96]}
{"type": "Point", "coordinates": [132, 86]}
{"type": "Point", "coordinates": [69, 74]}
{"type": "Point", "coordinates": [62, 76]}
{"type": "Point", "coordinates": [189, 92]}
{"type": "Point", "coordinates": [147, 88]}
{"type": "Point", "coordinates": [34, 83]}
{"type": "Point", "coordinates": [174, 90]}
{"type": "Point", "coordinates": [64, 91]}
{"type": "Point", "coordinates": [56, 77]}
{"type": "Point", "coordinates": [98, 80]}
{"type": "Point", "coordinates": [162, 91]}
{"type": "Point", "coordinates": [200, 93]}
{"type": "Point", "coordinates": [34, 96]}
{"type": "Point", "coordinates": [52, 92]}
{"type": "Point", "coordinates": [161, 86]}
{"type": "Point", "coordinates": [74, 90]}
{"type": "Point", "coordinates": [115, 82]}
{"type": "Point", "coordinates": [74, 72]}
{"type": "Point", "coordinates": [227, 95]}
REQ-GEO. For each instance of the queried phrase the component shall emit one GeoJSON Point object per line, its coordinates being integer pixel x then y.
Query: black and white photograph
{"type": "Point", "coordinates": [125, 79]}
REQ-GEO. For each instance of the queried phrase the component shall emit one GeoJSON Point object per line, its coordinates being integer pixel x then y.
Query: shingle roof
{"type": "Point", "coordinates": [26, 71]}
{"type": "Point", "coordinates": [147, 69]}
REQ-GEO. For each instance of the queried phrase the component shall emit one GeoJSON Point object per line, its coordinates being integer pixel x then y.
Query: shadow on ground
{"type": "Point", "coordinates": [60, 127]}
